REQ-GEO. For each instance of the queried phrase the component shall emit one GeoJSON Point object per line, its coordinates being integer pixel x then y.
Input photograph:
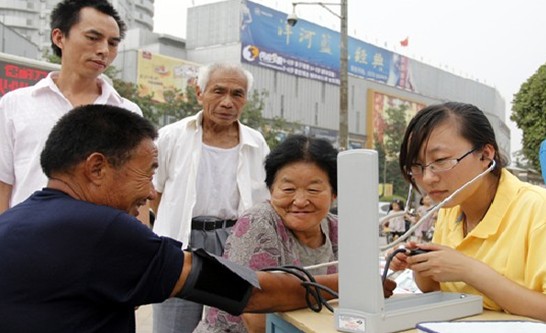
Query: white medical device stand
{"type": "Point", "coordinates": [362, 307]}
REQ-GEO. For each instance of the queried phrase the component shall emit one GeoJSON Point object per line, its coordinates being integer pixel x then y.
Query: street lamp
{"type": "Point", "coordinates": [292, 19]}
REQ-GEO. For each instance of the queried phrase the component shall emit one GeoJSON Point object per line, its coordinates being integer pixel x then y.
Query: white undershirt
{"type": "Point", "coordinates": [217, 192]}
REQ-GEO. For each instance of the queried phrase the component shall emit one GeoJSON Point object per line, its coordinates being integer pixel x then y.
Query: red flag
{"type": "Point", "coordinates": [404, 42]}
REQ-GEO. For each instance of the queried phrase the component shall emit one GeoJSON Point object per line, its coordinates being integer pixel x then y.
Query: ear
{"type": "Point", "coordinates": [199, 94]}
{"type": "Point", "coordinates": [488, 153]}
{"type": "Point", "coordinates": [57, 37]}
{"type": "Point", "coordinates": [96, 168]}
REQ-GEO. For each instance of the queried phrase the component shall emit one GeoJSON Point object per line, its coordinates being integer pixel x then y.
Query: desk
{"type": "Point", "coordinates": [305, 320]}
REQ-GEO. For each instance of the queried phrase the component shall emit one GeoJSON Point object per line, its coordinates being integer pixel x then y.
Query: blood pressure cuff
{"type": "Point", "coordinates": [217, 282]}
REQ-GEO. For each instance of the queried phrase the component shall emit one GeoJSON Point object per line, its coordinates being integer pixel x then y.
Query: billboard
{"type": "Point", "coordinates": [377, 119]}
{"type": "Point", "coordinates": [13, 75]}
{"type": "Point", "coordinates": [157, 73]}
{"type": "Point", "coordinates": [312, 51]}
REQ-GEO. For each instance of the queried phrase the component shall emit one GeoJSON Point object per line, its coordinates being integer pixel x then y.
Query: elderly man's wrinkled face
{"type": "Point", "coordinates": [131, 185]}
{"type": "Point", "coordinates": [224, 97]}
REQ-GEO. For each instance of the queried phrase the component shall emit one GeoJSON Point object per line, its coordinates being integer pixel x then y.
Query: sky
{"type": "Point", "coordinates": [499, 42]}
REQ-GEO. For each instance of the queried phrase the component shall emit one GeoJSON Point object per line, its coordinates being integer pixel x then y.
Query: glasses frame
{"type": "Point", "coordinates": [423, 167]}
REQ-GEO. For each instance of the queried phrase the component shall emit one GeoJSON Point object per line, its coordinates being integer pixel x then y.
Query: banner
{"type": "Point", "coordinates": [157, 73]}
{"type": "Point", "coordinates": [311, 51]}
{"type": "Point", "coordinates": [13, 76]}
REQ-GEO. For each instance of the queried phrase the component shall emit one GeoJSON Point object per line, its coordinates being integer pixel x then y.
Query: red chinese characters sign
{"type": "Point", "coordinates": [14, 76]}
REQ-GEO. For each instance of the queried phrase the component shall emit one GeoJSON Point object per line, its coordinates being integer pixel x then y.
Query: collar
{"type": "Point", "coordinates": [108, 93]}
{"type": "Point", "coordinates": [506, 192]}
{"type": "Point", "coordinates": [245, 133]}
{"type": "Point", "coordinates": [489, 225]}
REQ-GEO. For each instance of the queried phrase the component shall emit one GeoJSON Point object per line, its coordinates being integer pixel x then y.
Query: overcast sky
{"type": "Point", "coordinates": [498, 42]}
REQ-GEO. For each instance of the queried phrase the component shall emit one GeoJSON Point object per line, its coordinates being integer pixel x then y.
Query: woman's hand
{"type": "Point", "coordinates": [441, 263]}
{"type": "Point", "coordinates": [399, 262]}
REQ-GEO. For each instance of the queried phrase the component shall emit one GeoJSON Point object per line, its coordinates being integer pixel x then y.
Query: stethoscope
{"type": "Point", "coordinates": [422, 219]}
{"type": "Point", "coordinates": [430, 211]}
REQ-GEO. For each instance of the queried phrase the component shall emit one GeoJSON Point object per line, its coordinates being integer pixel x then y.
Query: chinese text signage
{"type": "Point", "coordinates": [311, 51]}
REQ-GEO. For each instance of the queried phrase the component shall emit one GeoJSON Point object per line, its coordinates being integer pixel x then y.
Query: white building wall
{"type": "Point", "coordinates": [30, 18]}
{"type": "Point", "coordinates": [213, 35]}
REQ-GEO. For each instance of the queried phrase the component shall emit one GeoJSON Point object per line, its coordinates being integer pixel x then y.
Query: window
{"type": "Point", "coordinates": [316, 113]}
{"type": "Point", "coordinates": [282, 106]}
{"type": "Point", "coordinates": [323, 92]}
{"type": "Point", "coordinates": [358, 121]}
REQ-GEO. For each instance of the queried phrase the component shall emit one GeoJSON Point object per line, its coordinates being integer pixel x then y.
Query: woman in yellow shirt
{"type": "Point", "coordinates": [490, 238]}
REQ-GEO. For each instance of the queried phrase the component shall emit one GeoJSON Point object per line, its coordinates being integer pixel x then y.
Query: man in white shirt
{"type": "Point", "coordinates": [210, 171]}
{"type": "Point", "coordinates": [85, 34]}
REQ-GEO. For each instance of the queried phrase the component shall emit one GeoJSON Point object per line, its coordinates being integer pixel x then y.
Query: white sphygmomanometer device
{"type": "Point", "coordinates": [362, 307]}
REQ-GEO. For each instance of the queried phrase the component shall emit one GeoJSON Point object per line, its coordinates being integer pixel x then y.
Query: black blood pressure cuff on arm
{"type": "Point", "coordinates": [217, 282]}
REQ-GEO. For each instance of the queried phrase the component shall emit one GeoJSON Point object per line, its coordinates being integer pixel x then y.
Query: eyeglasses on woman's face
{"type": "Point", "coordinates": [440, 165]}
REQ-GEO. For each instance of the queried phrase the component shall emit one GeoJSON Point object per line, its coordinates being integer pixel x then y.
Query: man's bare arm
{"type": "Point", "coordinates": [284, 292]}
{"type": "Point", "coordinates": [154, 204]}
{"type": "Point", "coordinates": [144, 214]}
{"type": "Point", "coordinates": [5, 196]}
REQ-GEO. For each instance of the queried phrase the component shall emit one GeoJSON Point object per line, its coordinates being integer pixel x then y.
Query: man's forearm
{"type": "Point", "coordinates": [284, 292]}
{"type": "Point", "coordinates": [144, 214]}
{"type": "Point", "coordinates": [5, 196]}
{"type": "Point", "coordinates": [154, 204]}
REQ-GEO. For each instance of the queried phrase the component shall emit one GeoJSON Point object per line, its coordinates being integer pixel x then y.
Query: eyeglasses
{"type": "Point", "coordinates": [437, 166]}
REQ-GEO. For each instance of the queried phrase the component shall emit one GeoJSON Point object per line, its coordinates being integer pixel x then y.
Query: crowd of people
{"type": "Point", "coordinates": [79, 163]}
{"type": "Point", "coordinates": [399, 221]}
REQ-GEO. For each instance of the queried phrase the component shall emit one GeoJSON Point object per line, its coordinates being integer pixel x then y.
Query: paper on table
{"type": "Point", "coordinates": [482, 327]}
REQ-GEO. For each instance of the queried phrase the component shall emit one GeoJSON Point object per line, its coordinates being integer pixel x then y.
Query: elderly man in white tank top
{"type": "Point", "coordinates": [210, 171]}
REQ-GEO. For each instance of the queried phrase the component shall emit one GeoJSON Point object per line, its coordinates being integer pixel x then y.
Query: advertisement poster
{"type": "Point", "coordinates": [378, 104]}
{"type": "Point", "coordinates": [157, 73]}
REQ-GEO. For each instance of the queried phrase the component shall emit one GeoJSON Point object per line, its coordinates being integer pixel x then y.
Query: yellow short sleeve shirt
{"type": "Point", "coordinates": [511, 238]}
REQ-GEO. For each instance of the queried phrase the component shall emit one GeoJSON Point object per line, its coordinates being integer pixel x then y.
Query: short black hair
{"type": "Point", "coordinates": [106, 129]}
{"type": "Point", "coordinates": [301, 148]}
{"type": "Point", "coordinates": [67, 13]}
{"type": "Point", "coordinates": [399, 202]}
{"type": "Point", "coordinates": [470, 121]}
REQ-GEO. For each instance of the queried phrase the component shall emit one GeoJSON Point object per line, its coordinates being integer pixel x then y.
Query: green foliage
{"type": "Point", "coordinates": [50, 57]}
{"type": "Point", "coordinates": [388, 151]}
{"type": "Point", "coordinates": [529, 113]}
{"type": "Point", "coordinates": [130, 91]}
{"type": "Point", "coordinates": [252, 112]}
{"type": "Point", "coordinates": [179, 105]}
{"type": "Point", "coordinates": [273, 130]}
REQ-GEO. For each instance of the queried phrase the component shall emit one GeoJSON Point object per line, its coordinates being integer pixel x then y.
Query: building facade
{"type": "Point", "coordinates": [297, 67]}
{"type": "Point", "coordinates": [30, 18]}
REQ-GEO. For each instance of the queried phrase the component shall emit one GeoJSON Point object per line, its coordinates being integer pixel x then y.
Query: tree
{"type": "Point", "coordinates": [146, 103]}
{"type": "Point", "coordinates": [180, 104]}
{"type": "Point", "coordinates": [273, 130]}
{"type": "Point", "coordinates": [388, 151]}
{"type": "Point", "coordinates": [529, 114]}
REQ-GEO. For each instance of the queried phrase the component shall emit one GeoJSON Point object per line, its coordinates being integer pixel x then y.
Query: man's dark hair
{"type": "Point", "coordinates": [301, 148]}
{"type": "Point", "coordinates": [109, 130]}
{"type": "Point", "coordinates": [67, 13]}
